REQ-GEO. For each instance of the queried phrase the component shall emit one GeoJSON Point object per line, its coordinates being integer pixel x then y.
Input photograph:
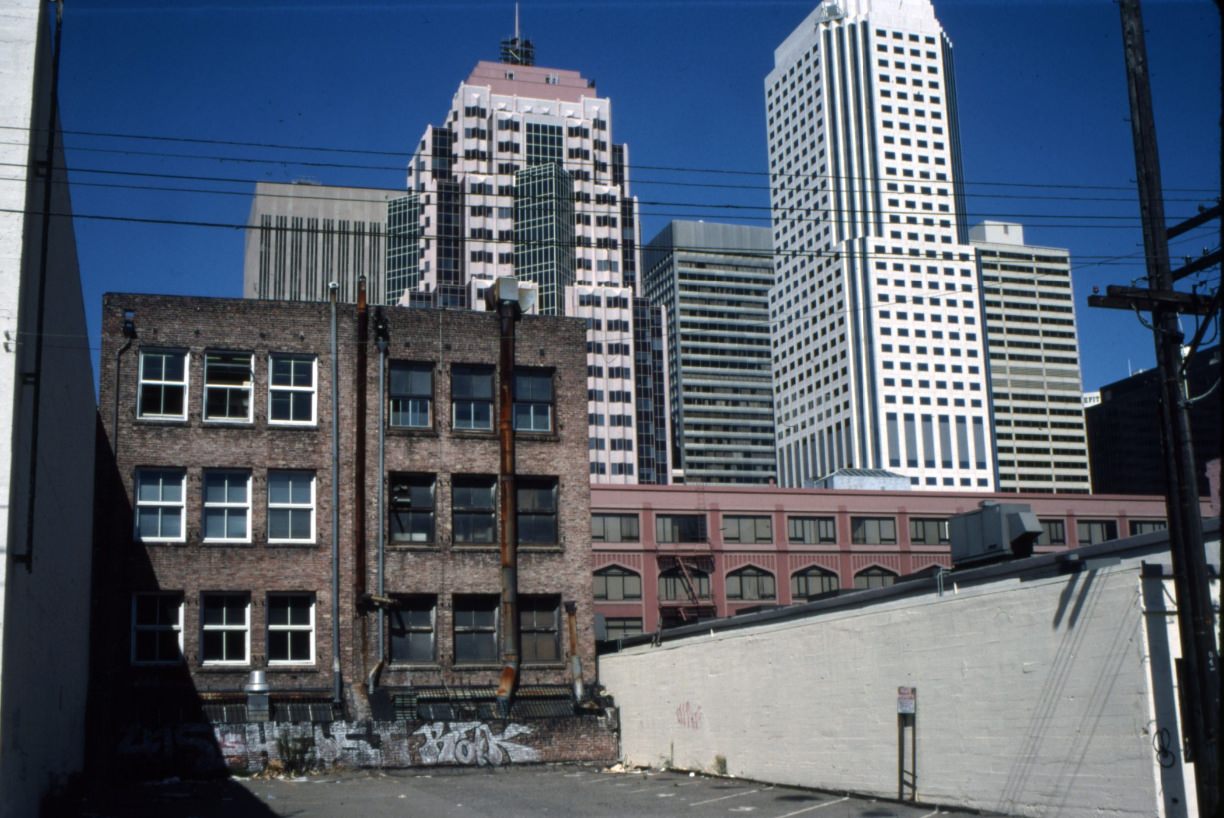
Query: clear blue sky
{"type": "Point", "coordinates": [1042, 95]}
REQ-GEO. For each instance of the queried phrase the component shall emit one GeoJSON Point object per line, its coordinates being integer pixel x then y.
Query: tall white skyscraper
{"type": "Point", "coordinates": [522, 178]}
{"type": "Point", "coordinates": [878, 341]}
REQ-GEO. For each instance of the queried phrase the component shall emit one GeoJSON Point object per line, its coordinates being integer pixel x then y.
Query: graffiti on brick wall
{"type": "Point", "coordinates": [688, 715]}
{"type": "Point", "coordinates": [191, 748]}
{"type": "Point", "coordinates": [473, 743]}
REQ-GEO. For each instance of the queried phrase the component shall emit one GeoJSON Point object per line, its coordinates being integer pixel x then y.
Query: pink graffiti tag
{"type": "Point", "coordinates": [689, 716]}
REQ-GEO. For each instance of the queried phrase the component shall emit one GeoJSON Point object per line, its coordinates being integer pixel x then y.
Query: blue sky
{"type": "Point", "coordinates": [1042, 97]}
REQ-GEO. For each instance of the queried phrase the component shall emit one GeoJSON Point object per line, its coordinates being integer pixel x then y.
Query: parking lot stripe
{"type": "Point", "coordinates": [722, 798]}
{"type": "Point", "coordinates": [814, 807]}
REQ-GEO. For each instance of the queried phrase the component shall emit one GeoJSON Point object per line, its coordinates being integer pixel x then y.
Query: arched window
{"type": "Point", "coordinates": [751, 583]}
{"type": "Point", "coordinates": [675, 587]}
{"type": "Point", "coordinates": [616, 583]}
{"type": "Point", "coordinates": [874, 577]}
{"type": "Point", "coordinates": [812, 582]}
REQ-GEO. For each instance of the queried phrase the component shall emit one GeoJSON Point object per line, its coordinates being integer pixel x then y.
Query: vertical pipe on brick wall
{"type": "Point", "coordinates": [508, 506]}
{"type": "Point", "coordinates": [359, 466]}
{"type": "Point", "coordinates": [380, 335]}
{"type": "Point", "coordinates": [335, 500]}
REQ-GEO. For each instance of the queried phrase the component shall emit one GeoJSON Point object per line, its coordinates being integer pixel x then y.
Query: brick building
{"type": "Point", "coordinates": [219, 518]}
{"type": "Point", "coordinates": [668, 555]}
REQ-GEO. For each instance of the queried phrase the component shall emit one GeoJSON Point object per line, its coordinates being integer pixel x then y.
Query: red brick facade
{"type": "Point", "coordinates": [839, 542]}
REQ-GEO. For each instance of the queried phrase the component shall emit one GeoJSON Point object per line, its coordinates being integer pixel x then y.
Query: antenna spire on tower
{"type": "Point", "coordinates": [516, 50]}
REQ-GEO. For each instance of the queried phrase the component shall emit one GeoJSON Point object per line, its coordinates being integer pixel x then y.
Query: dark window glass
{"type": "Point", "coordinates": [1095, 531]}
{"type": "Point", "coordinates": [472, 397]}
{"type": "Point", "coordinates": [680, 528]}
{"type": "Point", "coordinates": [537, 510]}
{"type": "Point", "coordinates": [679, 586]}
{"type": "Point", "coordinates": [811, 530]}
{"type": "Point", "coordinates": [411, 395]}
{"type": "Point", "coordinates": [621, 627]}
{"type": "Point", "coordinates": [1138, 527]}
{"type": "Point", "coordinates": [614, 528]}
{"type": "Point", "coordinates": [157, 626]}
{"type": "Point", "coordinates": [1053, 532]}
{"type": "Point", "coordinates": [290, 628]}
{"type": "Point", "coordinates": [533, 400]}
{"type": "Point", "coordinates": [813, 582]}
{"type": "Point", "coordinates": [616, 583]}
{"type": "Point", "coordinates": [928, 531]}
{"type": "Point", "coordinates": [747, 529]}
{"type": "Point", "coordinates": [475, 513]}
{"type": "Point", "coordinates": [475, 628]}
{"type": "Point", "coordinates": [539, 628]}
{"type": "Point", "coordinates": [751, 583]}
{"type": "Point", "coordinates": [412, 630]}
{"type": "Point", "coordinates": [227, 386]}
{"type": "Point", "coordinates": [873, 531]}
{"type": "Point", "coordinates": [411, 508]}
{"type": "Point", "coordinates": [874, 577]}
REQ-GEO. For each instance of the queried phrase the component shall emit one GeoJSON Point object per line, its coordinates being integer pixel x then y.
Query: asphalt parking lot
{"type": "Point", "coordinates": [506, 792]}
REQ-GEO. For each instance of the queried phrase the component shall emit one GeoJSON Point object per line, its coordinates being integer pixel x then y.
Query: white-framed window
{"type": "Point", "coordinates": [225, 628]}
{"type": "Point", "coordinates": [227, 505]}
{"type": "Point", "coordinates": [291, 506]}
{"type": "Point", "coordinates": [162, 393]}
{"type": "Point", "coordinates": [291, 389]}
{"type": "Point", "coordinates": [227, 386]}
{"type": "Point", "coordinates": [160, 507]}
{"type": "Point", "coordinates": [291, 629]}
{"type": "Point", "coordinates": [157, 628]}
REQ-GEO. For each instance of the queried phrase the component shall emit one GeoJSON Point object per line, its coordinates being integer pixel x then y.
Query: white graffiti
{"type": "Point", "coordinates": [473, 743]}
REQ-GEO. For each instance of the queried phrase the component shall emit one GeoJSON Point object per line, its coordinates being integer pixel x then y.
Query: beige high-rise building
{"type": "Point", "coordinates": [1035, 385]}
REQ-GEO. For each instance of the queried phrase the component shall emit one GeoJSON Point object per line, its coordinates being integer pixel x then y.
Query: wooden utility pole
{"type": "Point", "coordinates": [1199, 680]}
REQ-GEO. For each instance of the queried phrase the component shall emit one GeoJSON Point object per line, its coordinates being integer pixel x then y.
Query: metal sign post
{"type": "Point", "coordinates": [907, 722]}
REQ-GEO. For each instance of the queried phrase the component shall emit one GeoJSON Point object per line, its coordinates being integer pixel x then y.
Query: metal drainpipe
{"type": "Point", "coordinates": [571, 615]}
{"type": "Point", "coordinates": [33, 379]}
{"type": "Point", "coordinates": [335, 498]}
{"type": "Point", "coordinates": [129, 332]}
{"type": "Point", "coordinates": [380, 331]}
{"type": "Point", "coordinates": [507, 505]}
{"type": "Point", "coordinates": [360, 377]}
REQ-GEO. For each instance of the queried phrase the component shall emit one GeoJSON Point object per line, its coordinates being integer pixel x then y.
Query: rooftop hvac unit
{"type": "Point", "coordinates": [993, 533]}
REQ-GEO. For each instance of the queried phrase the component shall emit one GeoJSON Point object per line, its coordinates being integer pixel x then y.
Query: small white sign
{"type": "Point", "coordinates": [907, 700]}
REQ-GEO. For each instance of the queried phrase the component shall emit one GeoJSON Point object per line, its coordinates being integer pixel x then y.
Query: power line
{"type": "Point", "coordinates": [745, 213]}
{"type": "Point", "coordinates": [407, 156]}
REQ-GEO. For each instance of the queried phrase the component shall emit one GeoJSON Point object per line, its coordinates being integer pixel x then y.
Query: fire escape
{"type": "Point", "coordinates": [690, 562]}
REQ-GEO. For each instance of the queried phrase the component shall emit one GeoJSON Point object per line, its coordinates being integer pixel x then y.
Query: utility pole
{"type": "Point", "coordinates": [1199, 679]}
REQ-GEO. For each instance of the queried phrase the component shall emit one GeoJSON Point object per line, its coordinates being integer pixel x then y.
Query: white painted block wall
{"type": "Point", "coordinates": [1033, 698]}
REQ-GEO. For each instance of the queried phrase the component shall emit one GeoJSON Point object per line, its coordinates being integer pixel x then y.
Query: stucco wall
{"type": "Point", "coordinates": [44, 576]}
{"type": "Point", "coordinates": [1032, 697]}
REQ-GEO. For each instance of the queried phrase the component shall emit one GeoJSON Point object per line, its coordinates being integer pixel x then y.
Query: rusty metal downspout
{"type": "Point", "coordinates": [380, 340]}
{"type": "Point", "coordinates": [507, 498]}
{"type": "Point", "coordinates": [571, 616]}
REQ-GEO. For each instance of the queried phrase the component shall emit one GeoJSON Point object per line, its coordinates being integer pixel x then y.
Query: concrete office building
{"type": "Point", "coordinates": [301, 237]}
{"type": "Point", "coordinates": [522, 178]}
{"type": "Point", "coordinates": [47, 421]}
{"type": "Point", "coordinates": [1033, 354]}
{"type": "Point", "coordinates": [879, 347]}
{"type": "Point", "coordinates": [712, 281]}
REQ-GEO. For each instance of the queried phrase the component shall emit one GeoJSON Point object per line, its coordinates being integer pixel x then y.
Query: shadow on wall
{"type": "Point", "coordinates": [1050, 740]}
{"type": "Point", "coordinates": [143, 722]}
